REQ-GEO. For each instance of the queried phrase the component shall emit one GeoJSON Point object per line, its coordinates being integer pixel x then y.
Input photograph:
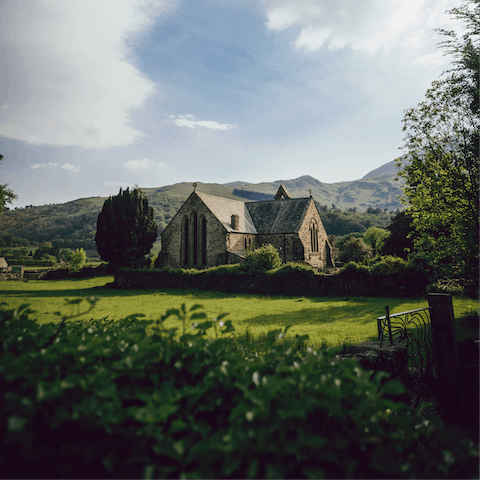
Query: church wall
{"type": "Point", "coordinates": [288, 245]}
{"type": "Point", "coordinates": [236, 241]}
{"type": "Point", "coordinates": [172, 242]}
{"type": "Point", "coordinates": [315, 259]}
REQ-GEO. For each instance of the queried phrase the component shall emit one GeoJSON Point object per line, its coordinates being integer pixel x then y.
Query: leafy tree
{"type": "Point", "coordinates": [375, 237]}
{"type": "Point", "coordinates": [126, 229]}
{"type": "Point", "coordinates": [441, 165]}
{"type": "Point", "coordinates": [6, 195]}
{"type": "Point", "coordinates": [66, 254]}
{"type": "Point", "coordinates": [400, 241]}
{"type": "Point", "coordinates": [354, 250]}
{"type": "Point", "coordinates": [78, 260]}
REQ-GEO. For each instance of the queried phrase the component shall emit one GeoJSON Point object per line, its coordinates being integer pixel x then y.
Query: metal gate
{"type": "Point", "coordinates": [418, 371]}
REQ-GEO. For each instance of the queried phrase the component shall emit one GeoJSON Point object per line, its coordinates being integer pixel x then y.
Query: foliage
{"type": "Point", "coordinates": [73, 224]}
{"type": "Point", "coordinates": [78, 260]}
{"type": "Point", "coordinates": [441, 165]}
{"type": "Point", "coordinates": [102, 400]}
{"type": "Point", "coordinates": [375, 238]}
{"type": "Point", "coordinates": [261, 259]}
{"type": "Point", "coordinates": [126, 229]}
{"type": "Point", "coordinates": [6, 194]}
{"type": "Point", "coordinates": [354, 250]}
{"type": "Point", "coordinates": [400, 240]}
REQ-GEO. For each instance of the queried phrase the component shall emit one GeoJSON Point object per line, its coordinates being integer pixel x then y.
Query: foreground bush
{"type": "Point", "coordinates": [104, 400]}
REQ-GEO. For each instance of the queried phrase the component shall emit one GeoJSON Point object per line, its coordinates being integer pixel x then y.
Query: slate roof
{"type": "Point", "coordinates": [224, 208]}
{"type": "Point", "coordinates": [278, 216]}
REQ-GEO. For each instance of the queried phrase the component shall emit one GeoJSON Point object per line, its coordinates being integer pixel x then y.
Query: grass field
{"type": "Point", "coordinates": [326, 320]}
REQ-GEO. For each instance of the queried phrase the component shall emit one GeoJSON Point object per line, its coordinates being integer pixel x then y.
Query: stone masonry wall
{"type": "Point", "coordinates": [10, 276]}
{"type": "Point", "coordinates": [315, 259]}
{"type": "Point", "coordinates": [172, 236]}
{"type": "Point", "coordinates": [288, 245]}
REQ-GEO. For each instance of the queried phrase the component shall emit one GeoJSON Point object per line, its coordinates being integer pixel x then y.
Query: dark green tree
{"type": "Point", "coordinates": [6, 195]}
{"type": "Point", "coordinates": [126, 229]}
{"type": "Point", "coordinates": [400, 241]}
{"type": "Point", "coordinates": [441, 165]}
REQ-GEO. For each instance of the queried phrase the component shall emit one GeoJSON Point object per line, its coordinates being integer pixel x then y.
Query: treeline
{"type": "Point", "coordinates": [74, 224]}
{"type": "Point", "coordinates": [342, 222]}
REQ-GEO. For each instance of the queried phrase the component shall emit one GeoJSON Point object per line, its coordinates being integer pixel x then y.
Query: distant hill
{"type": "Point", "coordinates": [73, 224]}
{"type": "Point", "coordinates": [387, 169]}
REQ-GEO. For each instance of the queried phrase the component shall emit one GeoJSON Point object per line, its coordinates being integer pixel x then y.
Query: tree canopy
{"type": "Point", "coordinates": [6, 194]}
{"type": "Point", "coordinates": [441, 164]}
{"type": "Point", "coordinates": [126, 229]}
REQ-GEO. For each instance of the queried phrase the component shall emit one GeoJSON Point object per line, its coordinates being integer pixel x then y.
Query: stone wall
{"type": "Point", "coordinates": [173, 250]}
{"type": "Point", "coordinates": [315, 259]}
{"type": "Point", "coordinates": [10, 275]}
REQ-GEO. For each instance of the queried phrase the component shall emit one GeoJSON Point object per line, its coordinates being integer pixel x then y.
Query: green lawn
{"type": "Point", "coordinates": [331, 320]}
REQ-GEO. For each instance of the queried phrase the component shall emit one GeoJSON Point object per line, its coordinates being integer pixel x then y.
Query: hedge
{"type": "Point", "coordinates": [289, 279]}
{"type": "Point", "coordinates": [129, 400]}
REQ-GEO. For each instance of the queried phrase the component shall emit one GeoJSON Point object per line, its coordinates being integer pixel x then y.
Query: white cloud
{"type": "Point", "coordinates": [44, 165]}
{"type": "Point", "coordinates": [189, 122]}
{"type": "Point", "coordinates": [70, 168]}
{"type": "Point", "coordinates": [369, 25]}
{"type": "Point", "coordinates": [70, 77]}
{"type": "Point", "coordinates": [144, 164]}
{"type": "Point", "coordinates": [66, 166]}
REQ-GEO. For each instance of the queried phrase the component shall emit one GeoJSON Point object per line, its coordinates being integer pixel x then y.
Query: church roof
{"type": "Point", "coordinates": [224, 208]}
{"type": "Point", "coordinates": [278, 216]}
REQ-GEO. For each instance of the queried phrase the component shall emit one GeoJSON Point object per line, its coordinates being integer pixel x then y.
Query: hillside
{"type": "Point", "coordinates": [73, 224]}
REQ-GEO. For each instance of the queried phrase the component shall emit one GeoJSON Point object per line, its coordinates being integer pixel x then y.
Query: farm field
{"type": "Point", "coordinates": [334, 321]}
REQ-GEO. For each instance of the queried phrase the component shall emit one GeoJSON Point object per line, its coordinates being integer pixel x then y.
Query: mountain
{"type": "Point", "coordinates": [73, 224]}
{"type": "Point", "coordinates": [386, 169]}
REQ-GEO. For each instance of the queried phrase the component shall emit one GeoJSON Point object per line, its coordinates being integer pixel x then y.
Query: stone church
{"type": "Point", "coordinates": [210, 230]}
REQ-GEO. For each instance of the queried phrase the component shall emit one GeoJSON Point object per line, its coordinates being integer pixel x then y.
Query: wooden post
{"type": "Point", "coordinates": [449, 375]}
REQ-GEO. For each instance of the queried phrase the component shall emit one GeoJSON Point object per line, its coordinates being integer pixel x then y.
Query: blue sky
{"type": "Point", "coordinates": [98, 94]}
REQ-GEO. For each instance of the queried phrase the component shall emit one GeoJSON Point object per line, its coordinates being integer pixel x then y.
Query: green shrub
{"type": "Point", "coordinates": [388, 265]}
{"type": "Point", "coordinates": [261, 259]}
{"type": "Point", "coordinates": [78, 260]}
{"type": "Point", "coordinates": [107, 400]}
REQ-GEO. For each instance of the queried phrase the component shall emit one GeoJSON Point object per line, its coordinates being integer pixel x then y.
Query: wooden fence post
{"type": "Point", "coordinates": [449, 375]}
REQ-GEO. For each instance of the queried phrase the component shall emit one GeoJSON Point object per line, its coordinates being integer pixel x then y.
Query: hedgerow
{"type": "Point", "coordinates": [131, 399]}
{"type": "Point", "coordinates": [389, 277]}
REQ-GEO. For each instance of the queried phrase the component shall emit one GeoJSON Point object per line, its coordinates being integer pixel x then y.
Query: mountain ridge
{"type": "Point", "coordinates": [74, 222]}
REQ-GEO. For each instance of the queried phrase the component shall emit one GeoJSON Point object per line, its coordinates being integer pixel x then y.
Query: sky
{"type": "Point", "coordinates": [101, 94]}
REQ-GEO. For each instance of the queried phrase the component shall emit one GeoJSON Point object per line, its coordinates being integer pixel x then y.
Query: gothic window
{"type": "Point", "coordinates": [194, 238]}
{"type": "Point", "coordinates": [203, 238]}
{"type": "Point", "coordinates": [314, 237]}
{"type": "Point", "coordinates": [245, 243]}
{"type": "Point", "coordinates": [185, 240]}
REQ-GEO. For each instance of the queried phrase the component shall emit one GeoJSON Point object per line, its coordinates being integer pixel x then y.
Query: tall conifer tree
{"type": "Point", "coordinates": [126, 229]}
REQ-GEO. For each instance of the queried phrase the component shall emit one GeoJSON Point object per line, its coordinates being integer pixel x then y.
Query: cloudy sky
{"type": "Point", "coordinates": [98, 94]}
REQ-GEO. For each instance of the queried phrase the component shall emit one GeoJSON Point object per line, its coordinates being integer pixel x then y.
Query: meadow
{"type": "Point", "coordinates": [332, 321]}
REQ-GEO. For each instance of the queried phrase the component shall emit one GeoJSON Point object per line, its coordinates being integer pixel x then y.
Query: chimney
{"type": "Point", "coordinates": [235, 222]}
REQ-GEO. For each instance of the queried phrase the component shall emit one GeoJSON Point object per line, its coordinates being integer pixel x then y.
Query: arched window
{"type": "Point", "coordinates": [245, 243]}
{"type": "Point", "coordinates": [203, 239]}
{"type": "Point", "coordinates": [195, 238]}
{"type": "Point", "coordinates": [185, 240]}
{"type": "Point", "coordinates": [314, 237]}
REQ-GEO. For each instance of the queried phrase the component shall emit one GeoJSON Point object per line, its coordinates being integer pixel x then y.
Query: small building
{"type": "Point", "coordinates": [3, 264]}
{"type": "Point", "coordinates": [210, 230]}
